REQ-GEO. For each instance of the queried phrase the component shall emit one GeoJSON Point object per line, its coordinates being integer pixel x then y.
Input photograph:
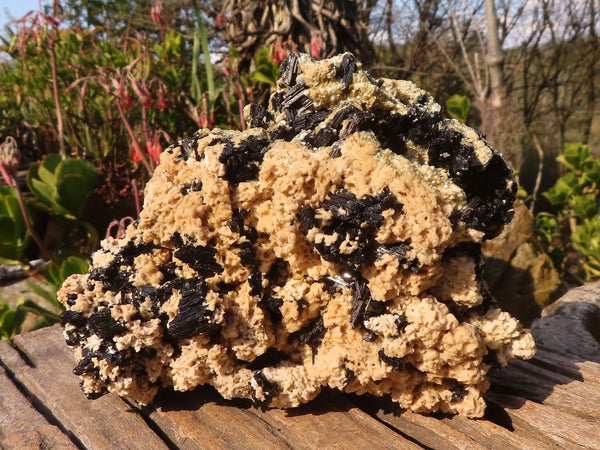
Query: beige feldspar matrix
{"type": "Point", "coordinates": [334, 243]}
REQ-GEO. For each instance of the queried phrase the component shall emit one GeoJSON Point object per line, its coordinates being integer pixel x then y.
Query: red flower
{"type": "Point", "coordinates": [161, 105]}
{"type": "Point", "coordinates": [316, 44]}
{"type": "Point", "coordinates": [126, 102]}
{"type": "Point", "coordinates": [154, 149]}
{"type": "Point", "coordinates": [134, 154]}
{"type": "Point", "coordinates": [156, 12]}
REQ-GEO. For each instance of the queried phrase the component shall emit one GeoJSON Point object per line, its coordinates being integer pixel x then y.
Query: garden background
{"type": "Point", "coordinates": [92, 91]}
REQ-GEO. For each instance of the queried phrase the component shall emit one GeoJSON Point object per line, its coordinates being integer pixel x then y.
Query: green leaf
{"type": "Point", "coordinates": [260, 77]}
{"type": "Point", "coordinates": [565, 187]}
{"type": "Point", "coordinates": [160, 51]}
{"type": "Point", "coordinates": [72, 195]}
{"type": "Point", "coordinates": [584, 206]}
{"type": "Point", "coordinates": [7, 229]}
{"type": "Point", "coordinates": [174, 42]}
{"type": "Point", "coordinates": [14, 211]}
{"type": "Point", "coordinates": [46, 176]}
{"type": "Point", "coordinates": [32, 307]}
{"type": "Point", "coordinates": [73, 265]}
{"type": "Point", "coordinates": [591, 173]}
{"type": "Point", "coordinates": [8, 261]}
{"type": "Point", "coordinates": [171, 77]}
{"type": "Point", "coordinates": [42, 191]}
{"type": "Point", "coordinates": [575, 155]}
{"type": "Point", "coordinates": [80, 167]}
{"type": "Point", "coordinates": [7, 190]}
{"type": "Point", "coordinates": [53, 274]}
{"type": "Point", "coordinates": [458, 107]}
{"type": "Point", "coordinates": [51, 161]}
{"type": "Point", "coordinates": [586, 239]}
{"type": "Point", "coordinates": [11, 322]}
{"type": "Point", "coordinates": [46, 295]}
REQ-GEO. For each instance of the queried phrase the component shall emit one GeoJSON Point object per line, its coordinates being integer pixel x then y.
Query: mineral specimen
{"type": "Point", "coordinates": [336, 242]}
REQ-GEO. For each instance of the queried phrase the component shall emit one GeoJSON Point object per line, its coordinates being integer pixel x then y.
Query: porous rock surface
{"type": "Point", "coordinates": [335, 242]}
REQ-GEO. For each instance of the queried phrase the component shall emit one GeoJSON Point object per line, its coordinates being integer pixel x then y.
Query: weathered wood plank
{"type": "Point", "coordinates": [429, 431]}
{"type": "Point", "coordinates": [204, 420]}
{"type": "Point", "coordinates": [21, 425]}
{"type": "Point", "coordinates": [569, 365]}
{"type": "Point", "coordinates": [564, 429]}
{"type": "Point", "coordinates": [543, 386]}
{"type": "Point", "coordinates": [567, 418]}
{"type": "Point", "coordinates": [190, 422]}
{"type": "Point", "coordinates": [330, 421]}
{"type": "Point", "coordinates": [496, 437]}
{"type": "Point", "coordinates": [107, 422]}
{"type": "Point", "coordinates": [195, 420]}
{"type": "Point", "coordinates": [452, 432]}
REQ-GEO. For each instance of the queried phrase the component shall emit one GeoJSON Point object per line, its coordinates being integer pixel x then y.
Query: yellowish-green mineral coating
{"type": "Point", "coordinates": [335, 243]}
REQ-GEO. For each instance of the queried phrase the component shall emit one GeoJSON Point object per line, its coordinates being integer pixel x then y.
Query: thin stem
{"type": "Point", "coordinates": [32, 232]}
{"type": "Point", "coordinates": [538, 179]}
{"type": "Point", "coordinates": [59, 120]}
{"type": "Point", "coordinates": [210, 79]}
{"type": "Point", "coordinates": [136, 196]}
{"type": "Point", "coordinates": [134, 140]}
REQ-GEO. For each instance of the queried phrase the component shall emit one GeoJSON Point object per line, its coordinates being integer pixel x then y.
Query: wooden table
{"type": "Point", "coordinates": [552, 401]}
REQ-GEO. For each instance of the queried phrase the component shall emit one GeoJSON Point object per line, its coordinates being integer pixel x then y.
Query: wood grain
{"type": "Point", "coordinates": [107, 422]}
{"type": "Point", "coordinates": [202, 419]}
{"type": "Point", "coordinates": [564, 429]}
{"type": "Point", "coordinates": [543, 386]}
{"type": "Point", "coordinates": [21, 425]}
{"type": "Point", "coordinates": [548, 402]}
{"type": "Point", "coordinates": [330, 421]}
{"type": "Point", "coordinates": [569, 365]}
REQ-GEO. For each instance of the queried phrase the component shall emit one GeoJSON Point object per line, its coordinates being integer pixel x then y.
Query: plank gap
{"type": "Point", "coordinates": [406, 436]}
{"type": "Point", "coordinates": [145, 415]}
{"type": "Point", "coordinates": [36, 403]}
{"type": "Point", "coordinates": [28, 362]}
{"type": "Point", "coordinates": [572, 371]}
{"type": "Point", "coordinates": [498, 415]}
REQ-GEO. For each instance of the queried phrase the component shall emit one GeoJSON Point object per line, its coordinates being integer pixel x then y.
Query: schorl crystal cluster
{"type": "Point", "coordinates": [335, 242]}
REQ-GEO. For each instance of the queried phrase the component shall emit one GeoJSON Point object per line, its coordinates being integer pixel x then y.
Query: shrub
{"type": "Point", "coordinates": [573, 229]}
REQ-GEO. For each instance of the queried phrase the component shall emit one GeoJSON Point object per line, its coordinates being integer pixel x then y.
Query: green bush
{"type": "Point", "coordinates": [12, 321]}
{"type": "Point", "coordinates": [575, 223]}
{"type": "Point", "coordinates": [14, 236]}
{"type": "Point", "coordinates": [63, 184]}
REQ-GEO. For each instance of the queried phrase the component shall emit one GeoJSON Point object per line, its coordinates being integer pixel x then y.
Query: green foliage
{"type": "Point", "coordinates": [576, 223]}
{"type": "Point", "coordinates": [267, 71]}
{"type": "Point", "coordinates": [576, 156]}
{"type": "Point", "coordinates": [56, 275]}
{"type": "Point", "coordinates": [201, 39]}
{"type": "Point", "coordinates": [458, 107]}
{"type": "Point", "coordinates": [12, 320]}
{"type": "Point", "coordinates": [587, 240]}
{"type": "Point", "coordinates": [58, 272]}
{"type": "Point", "coordinates": [14, 236]}
{"type": "Point", "coordinates": [63, 185]}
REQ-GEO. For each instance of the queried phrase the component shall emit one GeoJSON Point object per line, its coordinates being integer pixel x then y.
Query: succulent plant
{"type": "Point", "coordinates": [13, 230]}
{"type": "Point", "coordinates": [63, 184]}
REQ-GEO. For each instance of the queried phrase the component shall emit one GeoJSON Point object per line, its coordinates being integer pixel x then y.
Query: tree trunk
{"type": "Point", "coordinates": [495, 56]}
{"type": "Point", "coordinates": [500, 120]}
{"type": "Point", "coordinates": [591, 85]}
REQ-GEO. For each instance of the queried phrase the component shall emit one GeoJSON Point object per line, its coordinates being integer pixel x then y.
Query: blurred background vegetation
{"type": "Point", "coordinates": [91, 91]}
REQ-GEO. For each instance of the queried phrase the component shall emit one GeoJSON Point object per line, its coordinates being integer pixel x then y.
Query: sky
{"type": "Point", "coordinates": [13, 9]}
